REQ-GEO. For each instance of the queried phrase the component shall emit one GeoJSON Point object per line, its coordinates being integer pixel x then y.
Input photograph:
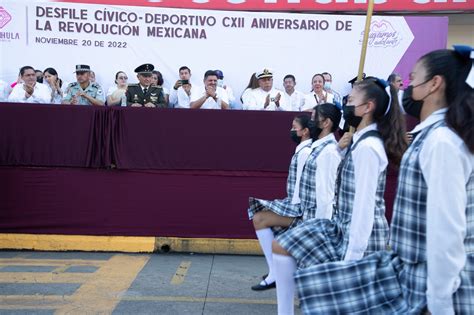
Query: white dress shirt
{"type": "Point", "coordinates": [257, 100]}
{"type": "Point", "coordinates": [446, 165]}
{"type": "Point", "coordinates": [327, 161]}
{"type": "Point", "coordinates": [294, 101]}
{"type": "Point", "coordinates": [183, 98]}
{"type": "Point", "coordinates": [311, 100]}
{"type": "Point", "coordinates": [4, 89]}
{"type": "Point", "coordinates": [173, 99]}
{"type": "Point", "coordinates": [246, 98]}
{"type": "Point", "coordinates": [41, 94]}
{"type": "Point", "coordinates": [301, 160]}
{"type": "Point", "coordinates": [370, 160]}
{"type": "Point", "coordinates": [209, 103]}
{"type": "Point", "coordinates": [230, 94]}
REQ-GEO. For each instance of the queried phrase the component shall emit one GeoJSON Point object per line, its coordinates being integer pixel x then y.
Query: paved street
{"type": "Point", "coordinates": [104, 283]}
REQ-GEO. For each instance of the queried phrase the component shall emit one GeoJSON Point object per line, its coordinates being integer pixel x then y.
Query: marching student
{"type": "Point", "coordinates": [358, 225]}
{"type": "Point", "coordinates": [271, 217]}
{"type": "Point", "coordinates": [431, 267]}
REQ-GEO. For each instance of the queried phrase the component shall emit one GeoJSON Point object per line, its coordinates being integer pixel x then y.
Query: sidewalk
{"type": "Point", "coordinates": [105, 283]}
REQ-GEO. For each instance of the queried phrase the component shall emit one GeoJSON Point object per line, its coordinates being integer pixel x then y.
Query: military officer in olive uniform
{"type": "Point", "coordinates": [143, 93]}
{"type": "Point", "coordinates": [84, 92]}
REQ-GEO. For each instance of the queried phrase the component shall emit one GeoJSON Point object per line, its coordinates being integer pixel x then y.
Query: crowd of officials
{"type": "Point", "coordinates": [36, 86]}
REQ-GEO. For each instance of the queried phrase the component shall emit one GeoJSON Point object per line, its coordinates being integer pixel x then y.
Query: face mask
{"type": "Point", "coordinates": [295, 137]}
{"type": "Point", "coordinates": [314, 129]}
{"type": "Point", "coordinates": [411, 106]}
{"type": "Point", "coordinates": [327, 85]}
{"type": "Point", "coordinates": [348, 112]}
{"type": "Point", "coordinates": [220, 83]}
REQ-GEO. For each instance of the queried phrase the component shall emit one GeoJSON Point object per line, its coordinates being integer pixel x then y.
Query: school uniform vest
{"type": "Point", "coordinates": [308, 183]}
{"type": "Point", "coordinates": [345, 193]}
{"type": "Point", "coordinates": [408, 231]}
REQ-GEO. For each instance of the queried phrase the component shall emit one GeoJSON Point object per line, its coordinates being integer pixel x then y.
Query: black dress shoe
{"type": "Point", "coordinates": [264, 287]}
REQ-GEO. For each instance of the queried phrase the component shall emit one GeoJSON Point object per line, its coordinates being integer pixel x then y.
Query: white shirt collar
{"type": "Point", "coordinates": [360, 133]}
{"type": "Point", "coordinates": [325, 138]}
{"type": "Point", "coordinates": [430, 120]}
{"type": "Point", "coordinates": [302, 145]}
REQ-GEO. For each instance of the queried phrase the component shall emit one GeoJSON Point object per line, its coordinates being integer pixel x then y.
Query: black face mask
{"type": "Point", "coordinates": [411, 106]}
{"type": "Point", "coordinates": [295, 137]}
{"type": "Point", "coordinates": [315, 129]}
{"type": "Point", "coordinates": [348, 112]}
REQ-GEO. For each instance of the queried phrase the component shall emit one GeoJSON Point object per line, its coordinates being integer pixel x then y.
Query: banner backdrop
{"type": "Point", "coordinates": [300, 5]}
{"type": "Point", "coordinates": [110, 38]}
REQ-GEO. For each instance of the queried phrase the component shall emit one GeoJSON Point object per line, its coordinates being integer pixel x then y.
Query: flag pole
{"type": "Point", "coordinates": [365, 41]}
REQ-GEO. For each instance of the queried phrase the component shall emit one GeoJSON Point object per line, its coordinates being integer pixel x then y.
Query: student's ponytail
{"type": "Point", "coordinates": [387, 115]}
{"type": "Point", "coordinates": [454, 66]}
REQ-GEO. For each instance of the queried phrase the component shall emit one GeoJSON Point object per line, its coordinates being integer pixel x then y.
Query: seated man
{"type": "Point", "coordinates": [84, 92]}
{"type": "Point", "coordinates": [179, 94]}
{"type": "Point", "coordinates": [230, 93]}
{"type": "Point", "coordinates": [265, 97]}
{"type": "Point", "coordinates": [210, 96]}
{"type": "Point", "coordinates": [144, 93]}
{"type": "Point", "coordinates": [328, 87]}
{"type": "Point", "coordinates": [29, 91]}
{"type": "Point", "coordinates": [293, 97]}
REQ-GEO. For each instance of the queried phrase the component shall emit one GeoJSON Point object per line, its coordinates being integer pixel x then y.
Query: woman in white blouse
{"type": "Point", "coordinates": [116, 94]}
{"type": "Point", "coordinates": [54, 84]}
{"type": "Point", "coordinates": [318, 95]}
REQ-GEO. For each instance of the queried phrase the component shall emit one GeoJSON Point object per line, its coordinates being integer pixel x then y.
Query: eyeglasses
{"type": "Point", "coordinates": [123, 78]}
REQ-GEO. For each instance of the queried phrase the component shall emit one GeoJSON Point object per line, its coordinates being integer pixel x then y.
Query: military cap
{"type": "Point", "coordinates": [146, 68]}
{"type": "Point", "coordinates": [265, 73]}
{"type": "Point", "coordinates": [83, 68]}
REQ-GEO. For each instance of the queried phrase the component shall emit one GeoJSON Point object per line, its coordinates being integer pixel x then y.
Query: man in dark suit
{"type": "Point", "coordinates": [143, 93]}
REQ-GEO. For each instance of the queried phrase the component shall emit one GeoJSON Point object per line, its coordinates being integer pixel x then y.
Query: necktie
{"type": "Point", "coordinates": [145, 90]}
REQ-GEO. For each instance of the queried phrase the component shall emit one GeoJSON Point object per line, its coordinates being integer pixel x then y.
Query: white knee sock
{"type": "Point", "coordinates": [284, 268]}
{"type": "Point", "coordinates": [265, 237]}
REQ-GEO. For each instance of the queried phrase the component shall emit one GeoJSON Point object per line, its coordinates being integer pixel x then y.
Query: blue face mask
{"type": "Point", "coordinates": [327, 85]}
{"type": "Point", "coordinates": [220, 82]}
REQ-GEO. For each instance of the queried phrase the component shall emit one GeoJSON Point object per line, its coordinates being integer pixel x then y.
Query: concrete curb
{"type": "Point", "coordinates": [129, 244]}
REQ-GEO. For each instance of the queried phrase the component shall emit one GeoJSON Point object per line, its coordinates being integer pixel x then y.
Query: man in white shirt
{"type": "Point", "coordinates": [266, 97]}
{"type": "Point", "coordinates": [329, 88]}
{"type": "Point", "coordinates": [210, 96]}
{"type": "Point", "coordinates": [29, 91]}
{"type": "Point", "coordinates": [182, 83]}
{"type": "Point", "coordinates": [293, 97]}
{"type": "Point", "coordinates": [4, 91]}
{"type": "Point", "coordinates": [230, 93]}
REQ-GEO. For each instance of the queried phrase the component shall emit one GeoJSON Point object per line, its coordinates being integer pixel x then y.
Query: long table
{"type": "Point", "coordinates": [140, 172]}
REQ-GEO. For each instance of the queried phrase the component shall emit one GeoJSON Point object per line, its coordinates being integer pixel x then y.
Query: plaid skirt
{"type": "Point", "coordinates": [314, 241]}
{"type": "Point", "coordinates": [377, 284]}
{"type": "Point", "coordinates": [282, 207]}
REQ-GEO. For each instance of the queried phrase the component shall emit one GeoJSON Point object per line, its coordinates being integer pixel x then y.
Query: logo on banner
{"type": "Point", "coordinates": [382, 34]}
{"type": "Point", "coordinates": [5, 18]}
